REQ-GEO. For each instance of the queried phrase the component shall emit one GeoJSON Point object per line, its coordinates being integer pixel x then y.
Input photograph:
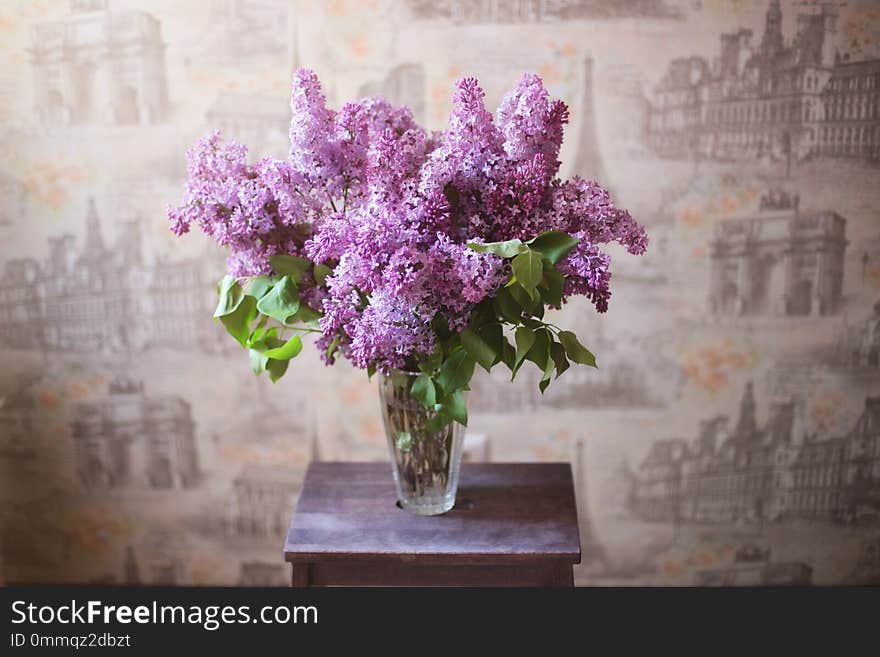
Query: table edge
{"type": "Point", "coordinates": [436, 558]}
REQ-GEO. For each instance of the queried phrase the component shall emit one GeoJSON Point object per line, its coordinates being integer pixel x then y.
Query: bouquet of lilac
{"type": "Point", "coordinates": [404, 250]}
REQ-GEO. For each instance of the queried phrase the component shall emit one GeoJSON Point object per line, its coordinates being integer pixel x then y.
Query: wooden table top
{"type": "Point", "coordinates": [505, 513]}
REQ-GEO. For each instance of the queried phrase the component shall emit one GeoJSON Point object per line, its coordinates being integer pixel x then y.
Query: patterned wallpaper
{"type": "Point", "coordinates": [732, 432]}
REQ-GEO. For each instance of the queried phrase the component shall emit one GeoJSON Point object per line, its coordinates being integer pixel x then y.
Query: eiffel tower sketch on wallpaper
{"type": "Point", "coordinates": [588, 161]}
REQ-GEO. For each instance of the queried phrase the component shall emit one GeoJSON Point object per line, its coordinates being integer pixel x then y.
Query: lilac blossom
{"type": "Point", "coordinates": [390, 209]}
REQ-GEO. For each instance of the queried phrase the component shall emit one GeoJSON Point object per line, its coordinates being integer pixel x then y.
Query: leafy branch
{"type": "Point", "coordinates": [516, 312]}
{"type": "Point", "coordinates": [266, 316]}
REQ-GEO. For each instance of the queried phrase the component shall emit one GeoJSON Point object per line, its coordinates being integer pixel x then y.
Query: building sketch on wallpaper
{"type": "Point", "coordinates": [20, 421]}
{"type": "Point", "coordinates": [772, 98]}
{"type": "Point", "coordinates": [752, 566]}
{"type": "Point", "coordinates": [263, 497]}
{"type": "Point", "coordinates": [263, 500]}
{"type": "Point", "coordinates": [99, 66]}
{"type": "Point", "coordinates": [156, 562]}
{"type": "Point", "coordinates": [404, 85]}
{"type": "Point", "coordinates": [132, 440]}
{"type": "Point", "coordinates": [537, 11]}
{"type": "Point", "coordinates": [869, 259]}
{"type": "Point", "coordinates": [779, 262]}
{"type": "Point", "coordinates": [858, 346]}
{"type": "Point", "coordinates": [750, 474]}
{"type": "Point", "coordinates": [588, 160]}
{"type": "Point", "coordinates": [260, 122]}
{"type": "Point", "coordinates": [259, 573]}
{"type": "Point", "coordinates": [14, 195]}
{"type": "Point", "coordinates": [98, 298]}
{"type": "Point", "coordinates": [867, 567]}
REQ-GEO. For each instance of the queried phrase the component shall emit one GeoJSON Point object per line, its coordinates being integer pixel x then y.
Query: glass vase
{"type": "Point", "coordinates": [425, 463]}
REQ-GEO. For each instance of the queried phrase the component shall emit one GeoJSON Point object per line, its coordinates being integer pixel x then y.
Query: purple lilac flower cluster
{"type": "Point", "coordinates": [390, 208]}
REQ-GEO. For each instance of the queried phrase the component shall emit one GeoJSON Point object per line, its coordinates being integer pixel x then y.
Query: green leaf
{"type": "Point", "coordinates": [493, 335]}
{"type": "Point", "coordinates": [281, 301]}
{"type": "Point", "coordinates": [549, 365]}
{"type": "Point", "coordinates": [371, 370]}
{"type": "Point", "coordinates": [321, 273]}
{"type": "Point", "coordinates": [288, 265]}
{"type": "Point", "coordinates": [506, 249]}
{"type": "Point", "coordinates": [276, 368]}
{"type": "Point", "coordinates": [230, 294]}
{"type": "Point", "coordinates": [538, 311]}
{"type": "Point", "coordinates": [288, 350]}
{"type": "Point", "coordinates": [258, 361]}
{"type": "Point", "coordinates": [456, 407]}
{"type": "Point", "coordinates": [507, 307]}
{"type": "Point", "coordinates": [479, 350]}
{"type": "Point", "coordinates": [262, 284]}
{"type": "Point", "coordinates": [539, 354]}
{"type": "Point", "coordinates": [528, 301]}
{"type": "Point", "coordinates": [528, 268]}
{"type": "Point", "coordinates": [423, 389]}
{"type": "Point", "coordinates": [305, 314]}
{"type": "Point", "coordinates": [552, 285]}
{"type": "Point", "coordinates": [557, 353]}
{"type": "Point", "coordinates": [238, 322]}
{"type": "Point", "coordinates": [456, 371]}
{"type": "Point", "coordinates": [404, 441]}
{"type": "Point", "coordinates": [525, 338]}
{"type": "Point", "coordinates": [438, 421]}
{"type": "Point", "coordinates": [332, 348]}
{"type": "Point", "coordinates": [260, 332]}
{"type": "Point", "coordinates": [575, 350]}
{"type": "Point", "coordinates": [554, 244]}
{"type": "Point", "coordinates": [508, 354]}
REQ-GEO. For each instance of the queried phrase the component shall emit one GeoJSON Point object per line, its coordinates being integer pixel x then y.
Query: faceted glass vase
{"type": "Point", "coordinates": [425, 463]}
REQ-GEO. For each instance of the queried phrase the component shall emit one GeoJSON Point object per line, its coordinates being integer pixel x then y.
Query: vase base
{"type": "Point", "coordinates": [428, 506]}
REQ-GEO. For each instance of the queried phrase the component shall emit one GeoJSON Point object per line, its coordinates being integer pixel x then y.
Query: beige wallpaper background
{"type": "Point", "coordinates": [732, 432]}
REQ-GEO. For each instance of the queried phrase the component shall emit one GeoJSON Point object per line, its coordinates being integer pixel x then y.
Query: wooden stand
{"type": "Point", "coordinates": [514, 524]}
